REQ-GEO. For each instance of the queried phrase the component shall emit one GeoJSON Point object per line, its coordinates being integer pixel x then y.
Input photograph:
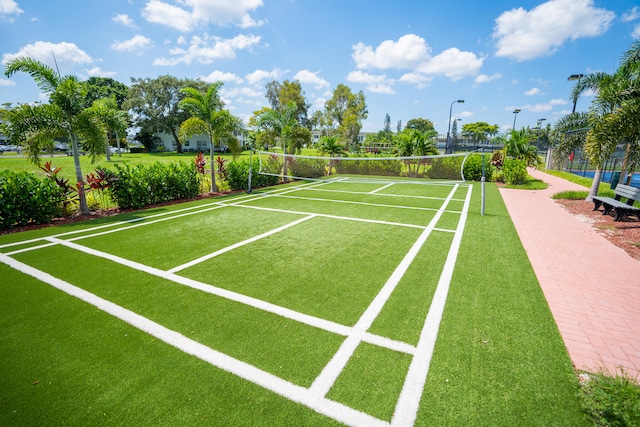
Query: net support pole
{"type": "Point", "coordinates": [250, 169]}
{"type": "Point", "coordinates": [482, 184]}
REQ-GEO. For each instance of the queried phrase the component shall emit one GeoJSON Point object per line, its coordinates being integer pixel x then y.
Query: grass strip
{"type": "Point", "coordinates": [305, 267]}
{"type": "Point", "coordinates": [66, 363]}
{"type": "Point", "coordinates": [294, 352]}
{"type": "Point", "coordinates": [499, 358]}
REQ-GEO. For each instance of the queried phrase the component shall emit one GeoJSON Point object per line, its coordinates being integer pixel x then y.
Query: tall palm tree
{"type": "Point", "coordinates": [114, 119]}
{"type": "Point", "coordinates": [284, 124]}
{"type": "Point", "coordinates": [65, 115]}
{"type": "Point", "coordinates": [207, 118]}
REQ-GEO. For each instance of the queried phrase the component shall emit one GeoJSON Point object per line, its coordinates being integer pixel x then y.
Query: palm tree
{"type": "Point", "coordinates": [612, 90]}
{"type": "Point", "coordinates": [284, 124]}
{"type": "Point", "coordinates": [330, 145]}
{"type": "Point", "coordinates": [207, 118]}
{"type": "Point", "coordinates": [64, 115]}
{"type": "Point", "coordinates": [114, 119]}
{"type": "Point", "coordinates": [519, 147]}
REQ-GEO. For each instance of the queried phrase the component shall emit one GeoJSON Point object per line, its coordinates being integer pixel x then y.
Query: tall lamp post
{"type": "Point", "coordinates": [571, 78]}
{"type": "Point", "coordinates": [515, 115]}
{"type": "Point", "coordinates": [540, 129]}
{"type": "Point", "coordinates": [449, 146]}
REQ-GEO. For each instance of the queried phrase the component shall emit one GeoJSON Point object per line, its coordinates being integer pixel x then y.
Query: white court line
{"type": "Point", "coordinates": [405, 196]}
{"type": "Point", "coordinates": [293, 392]}
{"type": "Point", "coordinates": [237, 245]}
{"type": "Point", "coordinates": [346, 218]}
{"type": "Point", "coordinates": [287, 313]}
{"type": "Point", "coordinates": [350, 202]}
{"type": "Point", "coordinates": [323, 383]}
{"type": "Point", "coordinates": [380, 189]}
{"type": "Point", "coordinates": [409, 401]}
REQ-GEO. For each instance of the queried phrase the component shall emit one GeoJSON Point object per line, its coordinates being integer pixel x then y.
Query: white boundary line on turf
{"type": "Point", "coordinates": [293, 392]}
{"type": "Point", "coordinates": [381, 188]}
{"type": "Point", "coordinates": [406, 196]}
{"type": "Point", "coordinates": [350, 202]}
{"type": "Point", "coordinates": [409, 401]}
{"type": "Point", "coordinates": [287, 313]}
{"type": "Point", "coordinates": [237, 245]}
{"type": "Point", "coordinates": [323, 382]}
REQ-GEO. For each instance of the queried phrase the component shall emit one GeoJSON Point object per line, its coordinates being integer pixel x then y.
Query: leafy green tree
{"type": "Point", "coordinates": [155, 104]}
{"type": "Point", "coordinates": [114, 119]}
{"type": "Point", "coordinates": [387, 124]}
{"type": "Point", "coordinates": [285, 125]}
{"type": "Point", "coordinates": [420, 124]}
{"type": "Point", "coordinates": [65, 115]}
{"type": "Point", "coordinates": [413, 143]}
{"type": "Point", "coordinates": [519, 147]}
{"type": "Point", "coordinates": [479, 131]}
{"type": "Point", "coordinates": [344, 113]}
{"type": "Point", "coordinates": [329, 145]}
{"type": "Point", "coordinates": [280, 94]}
{"type": "Point", "coordinates": [105, 87]}
{"type": "Point", "coordinates": [207, 118]}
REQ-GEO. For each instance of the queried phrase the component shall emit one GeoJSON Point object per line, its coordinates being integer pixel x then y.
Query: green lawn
{"type": "Point", "coordinates": [266, 292]}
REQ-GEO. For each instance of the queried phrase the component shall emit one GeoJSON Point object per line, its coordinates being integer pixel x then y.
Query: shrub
{"type": "Point", "coordinates": [307, 168]}
{"type": "Point", "coordinates": [238, 176]}
{"type": "Point", "coordinates": [473, 168]}
{"type": "Point", "coordinates": [445, 168]}
{"type": "Point", "coordinates": [611, 400]}
{"type": "Point", "coordinates": [515, 172]}
{"type": "Point", "coordinates": [140, 186]}
{"type": "Point", "coordinates": [366, 167]}
{"type": "Point", "coordinates": [24, 199]}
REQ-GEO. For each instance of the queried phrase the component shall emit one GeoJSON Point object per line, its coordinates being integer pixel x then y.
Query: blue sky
{"type": "Point", "coordinates": [410, 58]}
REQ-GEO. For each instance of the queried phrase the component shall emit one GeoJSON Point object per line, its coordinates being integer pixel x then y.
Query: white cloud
{"type": "Point", "coordinates": [411, 52]}
{"type": "Point", "coordinates": [206, 49]}
{"type": "Point", "coordinates": [135, 43]}
{"type": "Point", "coordinates": [375, 83]}
{"type": "Point", "coordinates": [631, 15]}
{"type": "Point", "coordinates": [9, 7]}
{"type": "Point", "coordinates": [220, 76]}
{"type": "Point", "coordinates": [533, 91]}
{"type": "Point", "coordinates": [483, 78]}
{"type": "Point", "coordinates": [636, 32]}
{"type": "Point", "coordinates": [66, 54]}
{"type": "Point", "coordinates": [539, 108]}
{"type": "Point", "coordinates": [241, 92]}
{"type": "Point", "coordinates": [406, 53]}
{"type": "Point", "coordinates": [258, 76]}
{"type": "Point", "coordinates": [124, 19]}
{"type": "Point", "coordinates": [172, 16]}
{"type": "Point", "coordinates": [98, 72]}
{"type": "Point", "coordinates": [418, 79]}
{"type": "Point", "coordinates": [525, 35]}
{"type": "Point", "coordinates": [309, 77]}
{"type": "Point", "coordinates": [196, 12]}
{"type": "Point", "coordinates": [5, 82]}
{"type": "Point", "coordinates": [453, 63]}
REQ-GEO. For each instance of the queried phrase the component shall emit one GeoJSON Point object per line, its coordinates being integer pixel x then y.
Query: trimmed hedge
{"type": "Point", "coordinates": [473, 168]}
{"type": "Point", "coordinates": [25, 199]}
{"type": "Point", "coordinates": [141, 185]}
{"type": "Point", "coordinates": [238, 176]}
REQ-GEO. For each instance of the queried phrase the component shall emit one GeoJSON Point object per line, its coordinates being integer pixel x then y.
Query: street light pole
{"type": "Point", "coordinates": [449, 146]}
{"type": "Point", "coordinates": [515, 114]}
{"type": "Point", "coordinates": [575, 99]}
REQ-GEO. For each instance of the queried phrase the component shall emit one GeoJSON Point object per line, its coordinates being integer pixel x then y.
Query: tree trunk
{"type": "Point", "coordinates": [177, 140]}
{"type": "Point", "coordinates": [214, 188]}
{"type": "Point", "coordinates": [597, 177]}
{"type": "Point", "coordinates": [118, 145]}
{"type": "Point", "coordinates": [107, 148]}
{"type": "Point", "coordinates": [84, 208]}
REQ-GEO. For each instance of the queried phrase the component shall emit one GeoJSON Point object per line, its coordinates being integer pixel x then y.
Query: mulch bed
{"type": "Point", "coordinates": [625, 234]}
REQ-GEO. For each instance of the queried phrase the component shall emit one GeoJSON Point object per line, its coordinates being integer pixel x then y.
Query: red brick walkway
{"type": "Point", "coordinates": [598, 316]}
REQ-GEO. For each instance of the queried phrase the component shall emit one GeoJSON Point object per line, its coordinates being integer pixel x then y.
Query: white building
{"type": "Point", "coordinates": [198, 143]}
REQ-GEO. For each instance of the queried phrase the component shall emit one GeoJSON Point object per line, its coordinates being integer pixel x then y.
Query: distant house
{"type": "Point", "coordinates": [198, 143]}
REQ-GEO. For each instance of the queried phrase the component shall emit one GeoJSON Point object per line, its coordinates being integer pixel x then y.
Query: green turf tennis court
{"type": "Point", "coordinates": [345, 301]}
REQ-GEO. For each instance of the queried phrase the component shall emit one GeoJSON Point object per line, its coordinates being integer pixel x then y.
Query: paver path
{"type": "Point", "coordinates": [598, 316]}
